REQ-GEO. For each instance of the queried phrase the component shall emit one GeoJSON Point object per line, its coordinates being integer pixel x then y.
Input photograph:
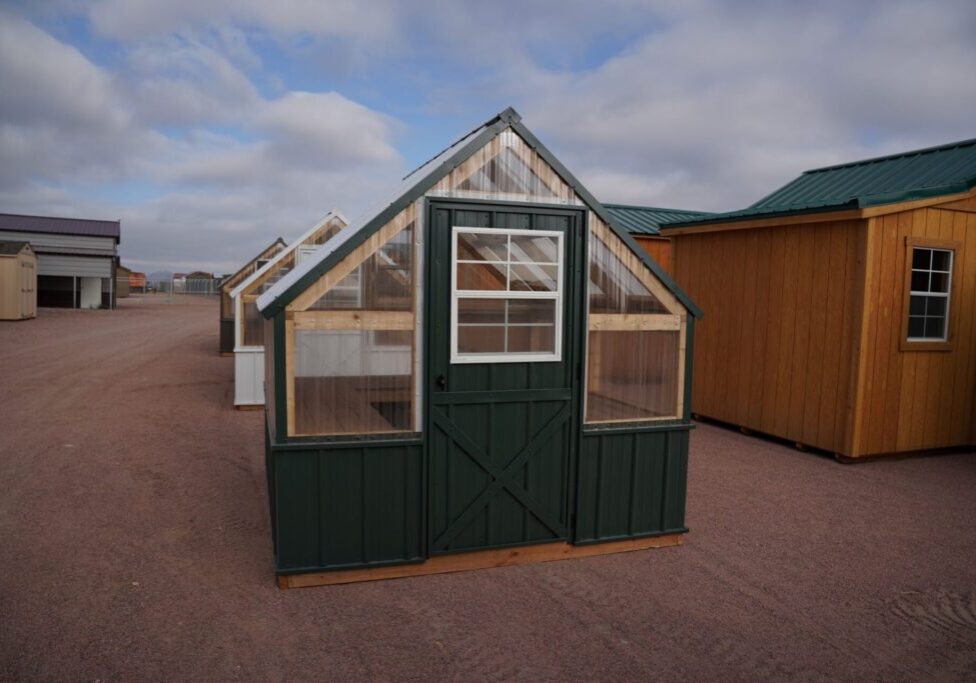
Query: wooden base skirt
{"type": "Point", "coordinates": [481, 559]}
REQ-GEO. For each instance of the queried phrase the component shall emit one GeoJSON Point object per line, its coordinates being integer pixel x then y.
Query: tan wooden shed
{"type": "Point", "coordinates": [18, 281]}
{"type": "Point", "coordinates": [840, 311]}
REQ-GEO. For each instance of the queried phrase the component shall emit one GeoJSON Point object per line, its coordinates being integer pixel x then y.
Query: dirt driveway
{"type": "Point", "coordinates": [134, 546]}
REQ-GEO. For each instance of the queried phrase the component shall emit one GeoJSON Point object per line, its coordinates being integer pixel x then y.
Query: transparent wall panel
{"type": "Point", "coordinates": [613, 287]}
{"type": "Point", "coordinates": [353, 381]}
{"type": "Point", "coordinates": [354, 339]}
{"type": "Point", "coordinates": [635, 357]}
{"type": "Point", "coordinates": [383, 282]}
{"type": "Point", "coordinates": [253, 328]}
{"type": "Point", "coordinates": [506, 168]}
{"type": "Point", "coordinates": [632, 375]}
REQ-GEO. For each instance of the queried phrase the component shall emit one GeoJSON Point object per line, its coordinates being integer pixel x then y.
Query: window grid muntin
{"type": "Point", "coordinates": [507, 294]}
{"type": "Point", "coordinates": [927, 294]}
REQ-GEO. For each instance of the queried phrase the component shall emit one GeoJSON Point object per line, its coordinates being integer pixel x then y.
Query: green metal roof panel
{"type": "Point", "coordinates": [917, 174]}
{"type": "Point", "coordinates": [647, 220]}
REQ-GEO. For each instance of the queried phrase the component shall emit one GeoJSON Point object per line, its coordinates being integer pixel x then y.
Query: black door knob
{"type": "Point", "coordinates": [442, 382]}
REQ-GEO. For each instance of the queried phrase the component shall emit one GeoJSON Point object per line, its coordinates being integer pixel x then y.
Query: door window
{"type": "Point", "coordinates": [506, 295]}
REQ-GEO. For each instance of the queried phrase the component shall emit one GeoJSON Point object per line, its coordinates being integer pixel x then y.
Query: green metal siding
{"type": "Point", "coordinates": [631, 484]}
{"type": "Point", "coordinates": [340, 506]}
{"type": "Point", "coordinates": [226, 335]}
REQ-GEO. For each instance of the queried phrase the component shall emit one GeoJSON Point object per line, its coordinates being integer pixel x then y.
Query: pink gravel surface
{"type": "Point", "coordinates": [134, 545]}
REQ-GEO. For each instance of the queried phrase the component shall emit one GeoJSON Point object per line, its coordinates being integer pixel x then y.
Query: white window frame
{"type": "Point", "coordinates": [947, 295]}
{"type": "Point", "coordinates": [557, 296]}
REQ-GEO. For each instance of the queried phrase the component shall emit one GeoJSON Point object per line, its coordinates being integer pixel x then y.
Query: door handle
{"type": "Point", "coordinates": [442, 382]}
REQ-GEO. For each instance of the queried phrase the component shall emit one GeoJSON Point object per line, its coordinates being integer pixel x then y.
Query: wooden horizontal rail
{"type": "Point", "coordinates": [353, 320]}
{"type": "Point", "coordinates": [612, 322]}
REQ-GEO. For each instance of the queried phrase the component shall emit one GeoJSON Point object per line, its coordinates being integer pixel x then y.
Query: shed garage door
{"type": "Point", "coordinates": [74, 266]}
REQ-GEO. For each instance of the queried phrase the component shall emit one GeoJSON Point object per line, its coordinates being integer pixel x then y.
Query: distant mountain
{"type": "Point", "coordinates": [160, 275]}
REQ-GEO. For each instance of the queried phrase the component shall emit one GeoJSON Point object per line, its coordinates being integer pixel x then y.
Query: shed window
{"type": "Point", "coordinates": [930, 291]}
{"type": "Point", "coordinates": [507, 295]}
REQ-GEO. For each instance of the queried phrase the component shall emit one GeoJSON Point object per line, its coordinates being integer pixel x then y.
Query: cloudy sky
{"type": "Point", "coordinates": [211, 126]}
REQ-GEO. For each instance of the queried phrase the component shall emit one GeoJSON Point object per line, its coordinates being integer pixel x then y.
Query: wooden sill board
{"type": "Point", "coordinates": [481, 559]}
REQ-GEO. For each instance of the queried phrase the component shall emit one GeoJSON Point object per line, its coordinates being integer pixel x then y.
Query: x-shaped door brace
{"type": "Point", "coordinates": [501, 478]}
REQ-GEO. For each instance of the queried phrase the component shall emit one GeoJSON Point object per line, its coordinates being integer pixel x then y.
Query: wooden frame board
{"type": "Point", "coordinates": [481, 559]}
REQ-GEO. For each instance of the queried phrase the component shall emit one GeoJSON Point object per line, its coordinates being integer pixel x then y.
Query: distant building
{"type": "Point", "coordinates": [137, 282]}
{"type": "Point", "coordinates": [122, 275]}
{"type": "Point", "coordinates": [76, 258]}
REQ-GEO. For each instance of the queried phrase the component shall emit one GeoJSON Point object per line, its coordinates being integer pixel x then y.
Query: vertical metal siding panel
{"type": "Point", "coordinates": [269, 473]}
{"type": "Point", "coordinates": [650, 479]}
{"type": "Point", "coordinates": [632, 483]}
{"type": "Point", "coordinates": [415, 504]}
{"type": "Point", "coordinates": [297, 498]}
{"type": "Point", "coordinates": [383, 502]}
{"type": "Point", "coordinates": [587, 475]}
{"type": "Point", "coordinates": [677, 450]}
{"type": "Point", "coordinates": [343, 507]}
{"type": "Point", "coordinates": [615, 485]}
{"type": "Point", "coordinates": [632, 493]}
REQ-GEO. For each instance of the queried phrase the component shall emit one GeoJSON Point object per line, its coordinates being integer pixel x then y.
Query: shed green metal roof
{"type": "Point", "coordinates": [918, 174]}
{"type": "Point", "coordinates": [647, 220]}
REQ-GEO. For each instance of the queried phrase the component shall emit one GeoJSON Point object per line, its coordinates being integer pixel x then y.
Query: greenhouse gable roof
{"type": "Point", "coordinates": [414, 185]}
{"type": "Point", "coordinates": [335, 213]}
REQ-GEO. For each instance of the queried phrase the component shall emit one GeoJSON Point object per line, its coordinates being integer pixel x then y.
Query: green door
{"type": "Point", "coordinates": [502, 374]}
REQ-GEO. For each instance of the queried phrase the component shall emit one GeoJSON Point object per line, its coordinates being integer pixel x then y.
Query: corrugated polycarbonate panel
{"type": "Point", "coordinates": [74, 266]}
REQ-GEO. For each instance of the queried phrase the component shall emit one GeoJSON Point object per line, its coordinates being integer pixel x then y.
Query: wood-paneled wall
{"type": "Point", "coordinates": [659, 249]}
{"type": "Point", "coordinates": [775, 349]}
{"type": "Point", "coordinates": [917, 399]}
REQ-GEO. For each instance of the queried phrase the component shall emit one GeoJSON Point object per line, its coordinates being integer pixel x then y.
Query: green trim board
{"type": "Point", "coordinates": [283, 293]}
{"type": "Point", "coordinates": [907, 176]}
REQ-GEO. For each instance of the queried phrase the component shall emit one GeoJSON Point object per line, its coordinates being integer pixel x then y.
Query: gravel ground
{"type": "Point", "coordinates": [135, 546]}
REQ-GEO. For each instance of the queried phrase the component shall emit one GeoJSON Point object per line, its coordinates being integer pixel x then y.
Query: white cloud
{"type": "Point", "coordinates": [734, 100]}
{"type": "Point", "coordinates": [75, 138]}
{"type": "Point", "coordinates": [698, 104]}
{"type": "Point", "coordinates": [352, 19]}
